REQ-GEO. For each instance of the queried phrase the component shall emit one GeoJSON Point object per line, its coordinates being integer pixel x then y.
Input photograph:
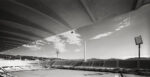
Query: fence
{"type": "Point", "coordinates": [128, 64]}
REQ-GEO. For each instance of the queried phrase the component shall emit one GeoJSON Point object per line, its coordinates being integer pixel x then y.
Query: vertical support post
{"type": "Point", "coordinates": [57, 52]}
{"type": "Point", "coordinates": [57, 55]}
{"type": "Point", "coordinates": [84, 51]}
{"type": "Point", "coordinates": [139, 56]}
{"type": "Point", "coordinates": [139, 41]}
{"type": "Point", "coordinates": [20, 58]}
{"type": "Point", "coordinates": [139, 51]}
{"type": "Point", "coordinates": [104, 63]}
{"type": "Point", "coordinates": [117, 64]}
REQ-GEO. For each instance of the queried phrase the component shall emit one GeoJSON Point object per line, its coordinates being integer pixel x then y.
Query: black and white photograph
{"type": "Point", "coordinates": [74, 38]}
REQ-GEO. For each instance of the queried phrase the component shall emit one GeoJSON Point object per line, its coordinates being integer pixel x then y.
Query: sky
{"type": "Point", "coordinates": [110, 38]}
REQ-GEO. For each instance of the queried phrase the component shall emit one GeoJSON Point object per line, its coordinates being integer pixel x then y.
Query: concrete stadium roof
{"type": "Point", "coordinates": [25, 21]}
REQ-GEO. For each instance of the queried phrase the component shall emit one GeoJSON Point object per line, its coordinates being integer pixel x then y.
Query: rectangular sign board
{"type": "Point", "coordinates": [138, 40]}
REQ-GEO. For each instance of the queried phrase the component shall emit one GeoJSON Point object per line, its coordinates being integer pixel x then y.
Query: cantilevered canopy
{"type": "Point", "coordinates": [25, 21]}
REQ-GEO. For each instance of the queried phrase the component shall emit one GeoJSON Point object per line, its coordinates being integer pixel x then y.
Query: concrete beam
{"type": "Point", "coordinates": [90, 14]}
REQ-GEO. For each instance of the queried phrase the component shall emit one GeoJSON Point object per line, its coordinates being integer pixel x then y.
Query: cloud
{"type": "Point", "coordinates": [36, 45]}
{"type": "Point", "coordinates": [77, 50]}
{"type": "Point", "coordinates": [33, 47]}
{"type": "Point", "coordinates": [59, 44]}
{"type": "Point", "coordinates": [40, 42]}
{"type": "Point", "coordinates": [102, 35]}
{"type": "Point", "coordinates": [60, 40]}
{"type": "Point", "coordinates": [72, 37]}
{"type": "Point", "coordinates": [123, 24]}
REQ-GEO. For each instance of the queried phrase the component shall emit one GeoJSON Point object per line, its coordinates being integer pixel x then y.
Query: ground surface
{"type": "Point", "coordinates": [67, 73]}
